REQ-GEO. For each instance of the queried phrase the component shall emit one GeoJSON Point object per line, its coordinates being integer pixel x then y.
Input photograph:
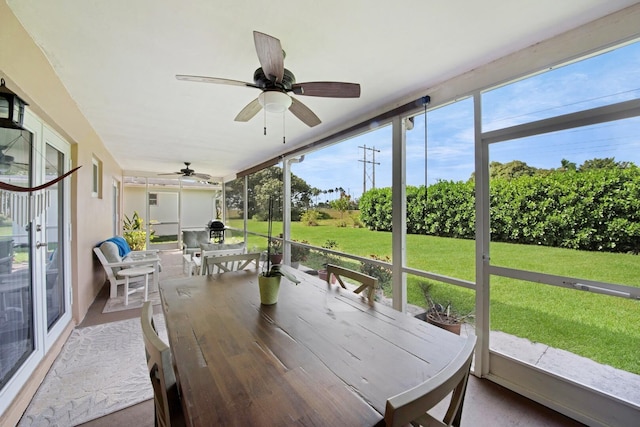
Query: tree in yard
{"type": "Point", "coordinates": [606, 163]}
{"type": "Point", "coordinates": [510, 170]}
{"type": "Point", "coordinates": [342, 204]}
{"type": "Point", "coordinates": [566, 165]}
{"type": "Point", "coordinates": [268, 183]}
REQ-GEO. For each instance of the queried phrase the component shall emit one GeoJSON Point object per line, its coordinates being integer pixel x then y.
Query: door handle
{"type": "Point", "coordinates": [40, 245]}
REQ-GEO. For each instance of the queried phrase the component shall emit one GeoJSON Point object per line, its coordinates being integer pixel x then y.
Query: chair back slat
{"type": "Point", "coordinates": [232, 262]}
{"type": "Point", "coordinates": [165, 390]}
{"type": "Point", "coordinates": [367, 282]}
{"type": "Point", "coordinates": [412, 405]}
{"type": "Point", "coordinates": [218, 261]}
{"type": "Point", "coordinates": [105, 264]}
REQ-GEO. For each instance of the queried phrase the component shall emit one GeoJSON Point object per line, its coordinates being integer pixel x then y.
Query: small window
{"type": "Point", "coordinates": [153, 199]}
{"type": "Point", "coordinates": [96, 188]}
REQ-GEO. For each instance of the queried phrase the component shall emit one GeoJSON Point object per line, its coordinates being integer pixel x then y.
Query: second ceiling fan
{"type": "Point", "coordinates": [276, 82]}
{"type": "Point", "coordinates": [187, 172]}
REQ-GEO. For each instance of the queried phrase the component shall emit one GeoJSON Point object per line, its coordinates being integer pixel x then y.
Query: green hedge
{"type": "Point", "coordinates": [597, 210]}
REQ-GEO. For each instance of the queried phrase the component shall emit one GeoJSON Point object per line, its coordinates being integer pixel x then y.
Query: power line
{"type": "Point", "coordinates": [366, 162]}
{"type": "Point", "coordinates": [560, 106]}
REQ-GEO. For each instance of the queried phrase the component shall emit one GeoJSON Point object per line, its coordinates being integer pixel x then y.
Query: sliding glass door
{"type": "Point", "coordinates": [17, 329]}
{"type": "Point", "coordinates": [54, 231]}
{"type": "Point", "coordinates": [35, 297]}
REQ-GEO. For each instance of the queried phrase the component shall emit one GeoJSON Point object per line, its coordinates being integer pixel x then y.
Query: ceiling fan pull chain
{"type": "Point", "coordinates": [283, 132]}
{"type": "Point", "coordinates": [265, 121]}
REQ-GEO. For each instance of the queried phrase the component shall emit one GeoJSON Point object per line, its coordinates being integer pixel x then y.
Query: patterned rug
{"type": "Point", "coordinates": [135, 301]}
{"type": "Point", "coordinates": [101, 369]}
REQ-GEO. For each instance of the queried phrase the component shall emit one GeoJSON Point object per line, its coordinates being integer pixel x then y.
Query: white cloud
{"type": "Point", "coordinates": [604, 79]}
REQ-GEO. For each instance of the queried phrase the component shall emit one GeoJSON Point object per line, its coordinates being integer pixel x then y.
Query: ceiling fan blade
{"type": "Point", "coordinates": [270, 55]}
{"type": "Point", "coordinates": [249, 111]}
{"type": "Point", "coordinates": [303, 112]}
{"type": "Point", "coordinates": [201, 176]}
{"type": "Point", "coordinates": [327, 89]}
{"type": "Point", "coordinates": [171, 173]}
{"type": "Point", "coordinates": [216, 80]}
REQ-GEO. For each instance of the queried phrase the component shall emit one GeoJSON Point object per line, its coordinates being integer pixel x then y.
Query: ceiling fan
{"type": "Point", "coordinates": [5, 160]}
{"type": "Point", "coordinates": [189, 173]}
{"type": "Point", "coordinates": [276, 82]}
{"type": "Point", "coordinates": [8, 163]}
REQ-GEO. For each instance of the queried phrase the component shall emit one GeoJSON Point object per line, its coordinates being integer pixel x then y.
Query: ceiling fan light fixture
{"type": "Point", "coordinates": [274, 101]}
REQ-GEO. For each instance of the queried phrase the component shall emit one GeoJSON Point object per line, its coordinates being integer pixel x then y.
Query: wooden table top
{"type": "Point", "coordinates": [320, 356]}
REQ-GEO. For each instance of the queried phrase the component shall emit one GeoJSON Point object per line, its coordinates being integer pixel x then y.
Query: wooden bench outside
{"type": "Point", "coordinates": [365, 280]}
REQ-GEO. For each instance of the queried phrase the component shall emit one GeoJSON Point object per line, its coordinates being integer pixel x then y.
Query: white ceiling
{"type": "Point", "coordinates": [118, 60]}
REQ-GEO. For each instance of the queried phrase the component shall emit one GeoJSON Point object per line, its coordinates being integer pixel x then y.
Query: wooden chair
{"type": "Point", "coordinates": [168, 409]}
{"type": "Point", "coordinates": [412, 405]}
{"type": "Point", "coordinates": [112, 263]}
{"type": "Point", "coordinates": [367, 281]}
{"type": "Point", "coordinates": [229, 262]}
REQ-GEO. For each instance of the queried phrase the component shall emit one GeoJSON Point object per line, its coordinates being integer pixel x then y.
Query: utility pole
{"type": "Point", "coordinates": [373, 164]}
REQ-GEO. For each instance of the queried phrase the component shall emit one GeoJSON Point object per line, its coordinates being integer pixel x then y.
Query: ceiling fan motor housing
{"type": "Point", "coordinates": [261, 80]}
{"type": "Point", "coordinates": [187, 171]}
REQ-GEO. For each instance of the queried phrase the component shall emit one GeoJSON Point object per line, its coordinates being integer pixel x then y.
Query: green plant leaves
{"type": "Point", "coordinates": [596, 209]}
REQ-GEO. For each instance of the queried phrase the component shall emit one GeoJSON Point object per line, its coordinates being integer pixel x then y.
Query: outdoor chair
{"type": "Point", "coordinates": [166, 396]}
{"type": "Point", "coordinates": [192, 239]}
{"type": "Point", "coordinates": [365, 280]}
{"type": "Point", "coordinates": [217, 250]}
{"type": "Point", "coordinates": [230, 262]}
{"type": "Point", "coordinates": [222, 246]}
{"type": "Point", "coordinates": [112, 262]}
{"type": "Point", "coordinates": [412, 405]}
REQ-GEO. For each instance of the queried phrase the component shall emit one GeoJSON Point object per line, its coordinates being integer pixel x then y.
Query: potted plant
{"type": "Point", "coordinates": [440, 315]}
{"type": "Point", "coordinates": [299, 253]}
{"type": "Point", "coordinates": [269, 279]}
{"type": "Point", "coordinates": [134, 232]}
{"type": "Point", "coordinates": [275, 251]}
{"type": "Point", "coordinates": [329, 259]}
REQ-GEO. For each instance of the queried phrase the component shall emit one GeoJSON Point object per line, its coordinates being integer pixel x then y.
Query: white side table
{"type": "Point", "coordinates": [133, 272]}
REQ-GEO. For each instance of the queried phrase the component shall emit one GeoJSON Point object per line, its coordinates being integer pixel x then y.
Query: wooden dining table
{"type": "Point", "coordinates": [320, 356]}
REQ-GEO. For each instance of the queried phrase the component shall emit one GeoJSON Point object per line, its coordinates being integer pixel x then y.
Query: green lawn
{"type": "Point", "coordinates": [603, 328]}
{"type": "Point", "coordinates": [6, 230]}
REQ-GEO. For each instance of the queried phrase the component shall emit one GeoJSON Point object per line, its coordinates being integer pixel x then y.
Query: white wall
{"type": "Point", "coordinates": [197, 207]}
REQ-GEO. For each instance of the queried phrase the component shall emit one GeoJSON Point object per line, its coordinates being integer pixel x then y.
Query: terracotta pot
{"type": "Point", "coordinates": [448, 324]}
{"type": "Point", "coordinates": [322, 274]}
{"type": "Point", "coordinates": [269, 288]}
{"type": "Point", "coordinates": [276, 258]}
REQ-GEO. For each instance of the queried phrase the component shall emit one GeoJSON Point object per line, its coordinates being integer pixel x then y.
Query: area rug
{"type": "Point", "coordinates": [136, 300]}
{"type": "Point", "coordinates": [101, 369]}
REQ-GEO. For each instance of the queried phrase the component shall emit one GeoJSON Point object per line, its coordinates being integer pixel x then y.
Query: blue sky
{"type": "Point", "coordinates": [601, 80]}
